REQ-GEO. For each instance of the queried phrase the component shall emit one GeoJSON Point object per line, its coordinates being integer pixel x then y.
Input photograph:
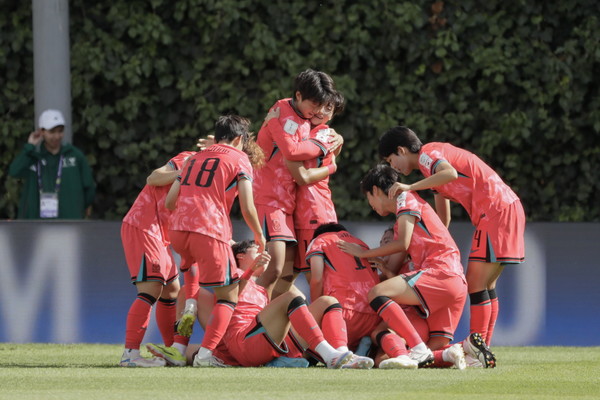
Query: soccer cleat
{"type": "Point", "coordinates": [475, 347]}
{"type": "Point", "coordinates": [423, 358]}
{"type": "Point", "coordinates": [341, 359]}
{"type": "Point", "coordinates": [210, 361]}
{"type": "Point", "coordinates": [142, 362]}
{"type": "Point", "coordinates": [287, 362]}
{"type": "Point", "coordinates": [170, 354]}
{"type": "Point", "coordinates": [364, 347]}
{"type": "Point", "coordinates": [359, 362]}
{"type": "Point", "coordinates": [185, 326]}
{"type": "Point", "coordinates": [400, 362]}
{"type": "Point", "coordinates": [456, 355]}
{"type": "Point", "coordinates": [472, 362]}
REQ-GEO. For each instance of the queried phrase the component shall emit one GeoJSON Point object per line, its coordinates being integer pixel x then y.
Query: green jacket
{"type": "Point", "coordinates": [77, 188]}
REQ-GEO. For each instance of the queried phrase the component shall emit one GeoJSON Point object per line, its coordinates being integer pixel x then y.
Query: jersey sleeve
{"type": "Point", "coordinates": [406, 204]}
{"type": "Point", "coordinates": [429, 159]}
{"type": "Point", "coordinates": [315, 249]}
{"type": "Point", "coordinates": [289, 144]}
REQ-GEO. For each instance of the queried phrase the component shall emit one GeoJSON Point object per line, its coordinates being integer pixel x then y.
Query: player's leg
{"type": "Point", "coordinates": [385, 299]}
{"type": "Point", "coordinates": [166, 306]}
{"type": "Point", "coordinates": [185, 324]}
{"type": "Point", "coordinates": [395, 353]}
{"type": "Point", "coordinates": [286, 280]}
{"type": "Point", "coordinates": [479, 276]}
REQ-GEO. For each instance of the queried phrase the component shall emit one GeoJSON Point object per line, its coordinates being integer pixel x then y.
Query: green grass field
{"type": "Point", "coordinates": [84, 371]}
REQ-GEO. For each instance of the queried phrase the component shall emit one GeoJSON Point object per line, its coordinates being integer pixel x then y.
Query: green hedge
{"type": "Point", "coordinates": [511, 81]}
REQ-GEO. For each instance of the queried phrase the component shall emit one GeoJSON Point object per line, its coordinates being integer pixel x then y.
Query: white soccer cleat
{"type": "Point", "coordinates": [472, 362]}
{"type": "Point", "coordinates": [400, 362]}
{"type": "Point", "coordinates": [338, 361]}
{"type": "Point", "coordinates": [423, 358]}
{"type": "Point", "coordinates": [359, 362]}
{"type": "Point", "coordinates": [475, 348]}
{"type": "Point", "coordinates": [185, 326]}
{"type": "Point", "coordinates": [142, 362]}
{"type": "Point", "coordinates": [210, 361]}
{"type": "Point", "coordinates": [456, 355]}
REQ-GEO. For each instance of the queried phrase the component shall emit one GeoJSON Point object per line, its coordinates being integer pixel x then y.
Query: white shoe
{"type": "Point", "coordinates": [342, 358]}
{"type": "Point", "coordinates": [456, 355]}
{"type": "Point", "coordinates": [472, 362]}
{"type": "Point", "coordinates": [475, 347]}
{"type": "Point", "coordinates": [143, 362]}
{"type": "Point", "coordinates": [359, 362]}
{"type": "Point", "coordinates": [210, 361]}
{"type": "Point", "coordinates": [185, 326]}
{"type": "Point", "coordinates": [400, 362]}
{"type": "Point", "coordinates": [423, 358]}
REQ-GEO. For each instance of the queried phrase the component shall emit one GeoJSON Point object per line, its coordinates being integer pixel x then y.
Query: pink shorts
{"type": "Point", "coordinates": [359, 325]}
{"type": "Point", "coordinates": [500, 238]}
{"type": "Point", "coordinates": [276, 224]}
{"type": "Point", "coordinates": [216, 264]}
{"type": "Point", "coordinates": [442, 298]}
{"type": "Point", "coordinates": [304, 237]}
{"type": "Point", "coordinates": [148, 259]}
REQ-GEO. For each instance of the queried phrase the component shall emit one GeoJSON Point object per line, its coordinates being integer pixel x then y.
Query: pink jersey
{"type": "Point", "coordinates": [208, 189]}
{"type": "Point", "coordinates": [283, 138]}
{"type": "Point", "coordinates": [314, 205]}
{"type": "Point", "coordinates": [431, 245]}
{"type": "Point", "coordinates": [252, 300]}
{"type": "Point", "coordinates": [148, 211]}
{"type": "Point", "coordinates": [478, 188]}
{"type": "Point", "coordinates": [345, 277]}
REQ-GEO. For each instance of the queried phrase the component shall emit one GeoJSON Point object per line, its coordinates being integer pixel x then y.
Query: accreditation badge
{"type": "Point", "coordinates": [48, 205]}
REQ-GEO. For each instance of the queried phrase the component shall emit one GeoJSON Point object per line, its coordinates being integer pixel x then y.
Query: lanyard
{"type": "Point", "coordinates": [58, 175]}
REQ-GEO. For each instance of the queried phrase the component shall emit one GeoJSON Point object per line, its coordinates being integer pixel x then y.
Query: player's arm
{"type": "Point", "coordinates": [316, 277]}
{"type": "Point", "coordinates": [171, 199]}
{"type": "Point", "coordinates": [406, 226]}
{"type": "Point", "coordinates": [291, 148]}
{"type": "Point", "coordinates": [162, 176]}
{"type": "Point", "coordinates": [306, 176]}
{"type": "Point", "coordinates": [442, 208]}
{"type": "Point", "coordinates": [249, 212]}
{"type": "Point", "coordinates": [444, 173]}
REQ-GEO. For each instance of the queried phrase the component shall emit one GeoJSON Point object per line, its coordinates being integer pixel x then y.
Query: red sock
{"type": "Point", "coordinates": [191, 285]}
{"type": "Point", "coordinates": [137, 320]}
{"type": "Point", "coordinates": [394, 316]}
{"type": "Point", "coordinates": [391, 344]}
{"type": "Point", "coordinates": [438, 359]}
{"type": "Point", "coordinates": [334, 326]}
{"type": "Point", "coordinates": [217, 324]}
{"type": "Point", "coordinates": [480, 312]}
{"type": "Point", "coordinates": [493, 316]}
{"type": "Point", "coordinates": [165, 319]}
{"type": "Point", "coordinates": [304, 323]}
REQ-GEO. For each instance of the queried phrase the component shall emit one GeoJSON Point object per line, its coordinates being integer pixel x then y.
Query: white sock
{"type": "Point", "coordinates": [204, 353]}
{"type": "Point", "coordinates": [131, 353]}
{"type": "Point", "coordinates": [181, 347]}
{"type": "Point", "coordinates": [420, 348]}
{"type": "Point", "coordinates": [445, 357]}
{"type": "Point", "coordinates": [342, 349]}
{"type": "Point", "coordinates": [326, 351]}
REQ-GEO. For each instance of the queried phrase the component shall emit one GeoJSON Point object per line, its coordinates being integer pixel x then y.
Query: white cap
{"type": "Point", "coordinates": [51, 119]}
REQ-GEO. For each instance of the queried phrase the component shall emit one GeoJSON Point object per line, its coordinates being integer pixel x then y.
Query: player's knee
{"type": "Point", "coordinates": [148, 298]}
{"type": "Point", "coordinates": [295, 303]}
{"type": "Point", "coordinates": [326, 301]}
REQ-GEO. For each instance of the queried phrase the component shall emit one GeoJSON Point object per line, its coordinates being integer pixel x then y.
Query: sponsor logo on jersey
{"type": "Point", "coordinates": [425, 161]}
{"type": "Point", "coordinates": [401, 201]}
{"type": "Point", "coordinates": [290, 127]}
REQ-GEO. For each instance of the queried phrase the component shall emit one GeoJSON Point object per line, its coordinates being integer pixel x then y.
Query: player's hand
{"type": "Point", "coordinates": [260, 263]}
{"type": "Point", "coordinates": [350, 248]}
{"type": "Point", "coordinates": [274, 113]}
{"type": "Point", "coordinates": [35, 137]}
{"type": "Point", "coordinates": [335, 140]}
{"type": "Point", "coordinates": [261, 242]}
{"type": "Point", "coordinates": [377, 262]}
{"type": "Point", "coordinates": [208, 141]}
{"type": "Point", "coordinates": [396, 189]}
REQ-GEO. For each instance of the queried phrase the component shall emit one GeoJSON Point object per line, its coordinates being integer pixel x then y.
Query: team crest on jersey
{"type": "Point", "coordinates": [425, 160]}
{"type": "Point", "coordinates": [401, 201]}
{"type": "Point", "coordinates": [290, 127]}
{"type": "Point", "coordinates": [323, 135]}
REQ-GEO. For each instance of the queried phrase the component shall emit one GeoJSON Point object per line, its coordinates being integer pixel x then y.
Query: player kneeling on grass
{"type": "Point", "coordinates": [433, 284]}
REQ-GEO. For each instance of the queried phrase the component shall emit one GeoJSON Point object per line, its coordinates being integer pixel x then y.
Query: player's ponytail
{"type": "Point", "coordinates": [254, 151]}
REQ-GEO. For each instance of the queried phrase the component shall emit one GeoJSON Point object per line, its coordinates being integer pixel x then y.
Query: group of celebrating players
{"type": "Point", "coordinates": [394, 306]}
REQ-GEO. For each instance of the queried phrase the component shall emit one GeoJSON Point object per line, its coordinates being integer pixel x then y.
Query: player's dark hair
{"type": "Point", "coordinates": [228, 127]}
{"type": "Point", "coordinates": [398, 136]}
{"type": "Point", "coordinates": [328, 227]}
{"type": "Point", "coordinates": [382, 176]}
{"type": "Point", "coordinates": [241, 247]}
{"type": "Point", "coordinates": [315, 86]}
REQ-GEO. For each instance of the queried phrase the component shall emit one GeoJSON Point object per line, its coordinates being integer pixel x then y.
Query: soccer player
{"type": "Point", "coordinates": [201, 230]}
{"type": "Point", "coordinates": [288, 138]}
{"type": "Point", "coordinates": [433, 284]}
{"type": "Point", "coordinates": [495, 211]}
{"type": "Point", "coordinates": [349, 279]}
{"type": "Point", "coordinates": [144, 234]}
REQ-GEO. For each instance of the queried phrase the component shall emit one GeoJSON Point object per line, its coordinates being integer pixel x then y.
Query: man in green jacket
{"type": "Point", "coordinates": [58, 182]}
